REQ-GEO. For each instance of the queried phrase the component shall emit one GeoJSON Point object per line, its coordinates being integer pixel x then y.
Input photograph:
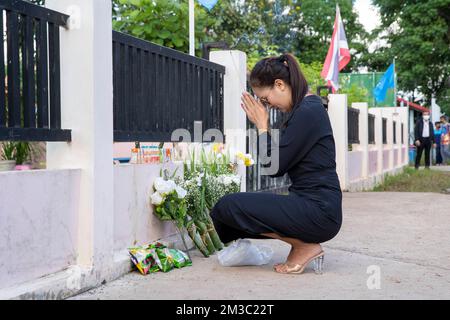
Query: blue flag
{"type": "Point", "coordinates": [386, 82]}
{"type": "Point", "coordinates": [209, 4]}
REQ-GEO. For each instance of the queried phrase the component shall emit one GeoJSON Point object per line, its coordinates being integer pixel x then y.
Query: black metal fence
{"type": "Point", "coordinates": [30, 88]}
{"type": "Point", "coordinates": [158, 90]}
{"type": "Point", "coordinates": [403, 138]}
{"type": "Point", "coordinates": [371, 128]}
{"type": "Point", "coordinates": [353, 125]}
{"type": "Point", "coordinates": [262, 183]}
{"type": "Point", "coordinates": [384, 131]}
{"type": "Point", "coordinates": [394, 127]}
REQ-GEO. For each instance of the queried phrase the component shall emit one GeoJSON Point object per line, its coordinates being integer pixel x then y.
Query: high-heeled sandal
{"type": "Point", "coordinates": [299, 268]}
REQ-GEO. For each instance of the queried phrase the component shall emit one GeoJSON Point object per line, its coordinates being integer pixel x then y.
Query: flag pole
{"type": "Point", "coordinates": [191, 28]}
{"type": "Point", "coordinates": [395, 89]}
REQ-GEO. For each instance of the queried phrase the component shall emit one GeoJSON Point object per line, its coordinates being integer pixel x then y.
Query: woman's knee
{"type": "Point", "coordinates": [222, 207]}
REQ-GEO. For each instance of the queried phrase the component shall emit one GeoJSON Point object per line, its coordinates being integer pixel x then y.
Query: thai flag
{"type": "Point", "coordinates": [338, 55]}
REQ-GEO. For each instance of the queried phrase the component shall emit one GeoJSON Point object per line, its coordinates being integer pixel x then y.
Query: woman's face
{"type": "Point", "coordinates": [278, 97]}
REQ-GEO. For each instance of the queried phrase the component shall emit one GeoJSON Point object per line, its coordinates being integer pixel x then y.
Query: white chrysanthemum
{"type": "Point", "coordinates": [171, 185]}
{"type": "Point", "coordinates": [159, 183]}
{"type": "Point", "coordinates": [236, 179]}
{"type": "Point", "coordinates": [163, 186]}
{"type": "Point", "coordinates": [227, 180]}
{"type": "Point", "coordinates": [180, 192]}
{"type": "Point", "coordinates": [156, 198]}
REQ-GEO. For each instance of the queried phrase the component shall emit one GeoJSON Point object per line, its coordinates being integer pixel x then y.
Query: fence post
{"type": "Point", "coordinates": [235, 83]}
{"type": "Point", "coordinates": [398, 142]}
{"type": "Point", "coordinates": [378, 138]}
{"type": "Point", "coordinates": [337, 111]}
{"type": "Point", "coordinates": [363, 136]}
{"type": "Point", "coordinates": [405, 118]}
{"type": "Point", "coordinates": [387, 113]}
{"type": "Point", "coordinates": [87, 108]}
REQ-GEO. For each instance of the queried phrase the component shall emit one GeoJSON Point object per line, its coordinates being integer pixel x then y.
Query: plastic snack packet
{"type": "Point", "coordinates": [143, 260]}
{"type": "Point", "coordinates": [164, 259]}
{"type": "Point", "coordinates": [180, 259]}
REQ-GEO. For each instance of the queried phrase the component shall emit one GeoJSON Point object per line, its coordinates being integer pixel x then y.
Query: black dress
{"type": "Point", "coordinates": [312, 211]}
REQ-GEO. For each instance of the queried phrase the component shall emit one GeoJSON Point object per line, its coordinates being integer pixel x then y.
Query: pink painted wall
{"type": "Point", "coordinates": [386, 159]}
{"type": "Point", "coordinates": [355, 165]}
{"type": "Point", "coordinates": [39, 222]}
{"type": "Point", "coordinates": [134, 221]}
{"type": "Point", "coordinates": [373, 162]}
{"type": "Point", "coordinates": [396, 156]}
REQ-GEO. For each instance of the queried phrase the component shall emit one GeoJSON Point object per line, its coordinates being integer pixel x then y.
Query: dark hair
{"type": "Point", "coordinates": [284, 67]}
{"type": "Point", "coordinates": [437, 122]}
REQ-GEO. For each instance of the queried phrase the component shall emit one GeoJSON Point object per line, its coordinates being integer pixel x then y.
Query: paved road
{"type": "Point", "coordinates": [404, 236]}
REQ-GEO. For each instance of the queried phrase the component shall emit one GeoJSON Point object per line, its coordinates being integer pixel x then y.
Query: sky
{"type": "Point", "coordinates": [368, 14]}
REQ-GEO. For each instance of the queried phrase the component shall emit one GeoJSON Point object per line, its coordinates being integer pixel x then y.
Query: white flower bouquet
{"type": "Point", "coordinates": [189, 200]}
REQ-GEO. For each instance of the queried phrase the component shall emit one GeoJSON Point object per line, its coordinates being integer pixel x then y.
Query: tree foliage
{"type": "Point", "coordinates": [164, 22]}
{"type": "Point", "coordinates": [309, 27]}
{"type": "Point", "coordinates": [417, 34]}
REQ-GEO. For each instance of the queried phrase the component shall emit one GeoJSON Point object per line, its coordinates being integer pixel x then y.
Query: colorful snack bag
{"type": "Point", "coordinates": [143, 260]}
{"type": "Point", "coordinates": [180, 259]}
{"type": "Point", "coordinates": [164, 260]}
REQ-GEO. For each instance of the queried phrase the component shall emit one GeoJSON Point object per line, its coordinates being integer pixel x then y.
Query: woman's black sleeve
{"type": "Point", "coordinates": [297, 139]}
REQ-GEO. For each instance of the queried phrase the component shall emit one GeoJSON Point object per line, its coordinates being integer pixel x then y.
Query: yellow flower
{"type": "Point", "coordinates": [241, 156]}
{"type": "Point", "coordinates": [216, 147]}
{"type": "Point", "coordinates": [248, 162]}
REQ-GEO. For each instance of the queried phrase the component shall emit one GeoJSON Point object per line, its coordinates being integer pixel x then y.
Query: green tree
{"type": "Point", "coordinates": [164, 22]}
{"type": "Point", "coordinates": [311, 26]}
{"type": "Point", "coordinates": [417, 33]}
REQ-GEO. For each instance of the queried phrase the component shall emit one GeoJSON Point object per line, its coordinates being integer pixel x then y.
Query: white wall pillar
{"type": "Point", "coordinates": [387, 113]}
{"type": "Point", "coordinates": [363, 136]}
{"type": "Point", "coordinates": [337, 111]}
{"type": "Point", "coordinates": [87, 109]}
{"type": "Point", "coordinates": [398, 134]}
{"type": "Point", "coordinates": [235, 83]}
{"type": "Point", "coordinates": [412, 125]}
{"type": "Point", "coordinates": [404, 116]}
{"type": "Point", "coordinates": [378, 137]}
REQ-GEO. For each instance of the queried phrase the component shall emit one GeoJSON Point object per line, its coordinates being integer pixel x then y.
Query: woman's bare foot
{"type": "Point", "coordinates": [287, 259]}
{"type": "Point", "coordinates": [300, 254]}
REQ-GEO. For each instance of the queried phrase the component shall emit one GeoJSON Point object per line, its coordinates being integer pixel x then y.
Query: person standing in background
{"type": "Point", "coordinates": [437, 139]}
{"type": "Point", "coordinates": [424, 138]}
{"type": "Point", "coordinates": [445, 140]}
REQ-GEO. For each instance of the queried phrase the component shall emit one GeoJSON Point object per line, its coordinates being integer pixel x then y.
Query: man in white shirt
{"type": "Point", "coordinates": [424, 138]}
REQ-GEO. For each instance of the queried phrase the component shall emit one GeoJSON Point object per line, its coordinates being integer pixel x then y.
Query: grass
{"type": "Point", "coordinates": [412, 180]}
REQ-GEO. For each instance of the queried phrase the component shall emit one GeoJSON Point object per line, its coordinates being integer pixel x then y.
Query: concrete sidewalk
{"type": "Point", "coordinates": [405, 236]}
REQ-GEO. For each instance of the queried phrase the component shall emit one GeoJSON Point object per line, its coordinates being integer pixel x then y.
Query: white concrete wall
{"type": "Point", "coordinates": [83, 213]}
{"type": "Point", "coordinates": [367, 165]}
{"type": "Point", "coordinates": [235, 83]}
{"type": "Point", "coordinates": [337, 111]}
{"type": "Point", "coordinates": [87, 108]}
{"type": "Point", "coordinates": [39, 215]}
{"type": "Point", "coordinates": [38, 218]}
{"type": "Point", "coordinates": [134, 220]}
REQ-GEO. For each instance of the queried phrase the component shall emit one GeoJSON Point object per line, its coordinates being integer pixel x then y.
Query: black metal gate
{"type": "Point", "coordinates": [158, 90]}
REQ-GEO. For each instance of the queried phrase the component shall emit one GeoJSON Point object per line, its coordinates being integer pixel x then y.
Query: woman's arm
{"type": "Point", "coordinates": [303, 131]}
